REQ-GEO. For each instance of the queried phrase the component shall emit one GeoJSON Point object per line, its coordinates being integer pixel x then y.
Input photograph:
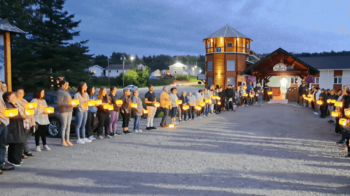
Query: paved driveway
{"type": "Point", "coordinates": [270, 150]}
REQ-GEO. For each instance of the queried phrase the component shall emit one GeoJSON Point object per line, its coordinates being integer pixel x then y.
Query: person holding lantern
{"type": "Point", "coordinates": [41, 118]}
{"type": "Point", "coordinates": [165, 104]}
{"type": "Point", "coordinates": [199, 98]}
{"type": "Point", "coordinates": [323, 106]}
{"type": "Point", "coordinates": [150, 100]}
{"type": "Point", "coordinates": [184, 101]}
{"type": "Point", "coordinates": [316, 97]}
{"type": "Point", "coordinates": [229, 97]}
{"type": "Point", "coordinates": [138, 110]}
{"type": "Point", "coordinates": [91, 114]}
{"type": "Point", "coordinates": [301, 93]}
{"type": "Point", "coordinates": [330, 101]}
{"type": "Point", "coordinates": [28, 121]}
{"type": "Point", "coordinates": [115, 112]}
{"type": "Point", "coordinates": [266, 90]}
{"type": "Point", "coordinates": [103, 114]}
{"type": "Point", "coordinates": [222, 96]}
{"type": "Point", "coordinates": [125, 110]}
{"type": "Point", "coordinates": [206, 96]}
{"type": "Point", "coordinates": [16, 136]}
{"type": "Point", "coordinates": [65, 109]}
{"type": "Point", "coordinates": [81, 113]}
{"type": "Point", "coordinates": [174, 105]}
{"type": "Point", "coordinates": [192, 102]}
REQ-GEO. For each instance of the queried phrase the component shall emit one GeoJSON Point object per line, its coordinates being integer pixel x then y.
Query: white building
{"type": "Point", "coordinates": [141, 67]}
{"type": "Point", "coordinates": [184, 69]}
{"type": "Point", "coordinates": [165, 72]}
{"type": "Point", "coordinates": [156, 73]}
{"type": "Point", "coordinates": [96, 70]}
{"type": "Point", "coordinates": [116, 69]}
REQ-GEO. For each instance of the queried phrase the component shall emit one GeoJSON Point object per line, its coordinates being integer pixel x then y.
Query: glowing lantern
{"type": "Point", "coordinates": [74, 102]}
{"type": "Point", "coordinates": [91, 103]}
{"type": "Point", "coordinates": [343, 121]}
{"type": "Point", "coordinates": [49, 110]}
{"type": "Point", "coordinates": [156, 104]}
{"type": "Point", "coordinates": [207, 100]}
{"type": "Point", "coordinates": [338, 104]}
{"type": "Point", "coordinates": [245, 87]}
{"type": "Point", "coordinates": [330, 101]}
{"type": "Point", "coordinates": [11, 112]}
{"type": "Point", "coordinates": [333, 101]}
{"type": "Point", "coordinates": [217, 98]}
{"type": "Point", "coordinates": [31, 105]}
{"type": "Point", "coordinates": [319, 102]}
{"type": "Point", "coordinates": [185, 107]}
{"type": "Point", "coordinates": [304, 96]}
{"type": "Point", "coordinates": [202, 103]}
{"type": "Point", "coordinates": [309, 95]}
{"type": "Point", "coordinates": [335, 114]}
{"type": "Point", "coordinates": [179, 102]}
{"type": "Point", "coordinates": [245, 94]}
{"type": "Point", "coordinates": [347, 112]}
{"type": "Point", "coordinates": [269, 93]}
{"type": "Point", "coordinates": [198, 107]}
{"type": "Point", "coordinates": [257, 94]}
{"type": "Point", "coordinates": [171, 125]}
{"type": "Point", "coordinates": [98, 102]}
{"type": "Point", "coordinates": [110, 107]}
{"type": "Point", "coordinates": [29, 112]}
{"type": "Point", "coordinates": [134, 105]}
{"type": "Point", "coordinates": [106, 106]}
{"type": "Point", "coordinates": [119, 102]}
{"type": "Point", "coordinates": [145, 111]}
{"type": "Point", "coordinates": [219, 103]}
{"type": "Point", "coordinates": [251, 95]}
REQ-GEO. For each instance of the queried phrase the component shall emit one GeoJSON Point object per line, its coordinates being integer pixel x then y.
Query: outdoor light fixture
{"type": "Point", "coordinates": [31, 105]}
{"type": "Point", "coordinates": [29, 112]}
{"type": "Point", "coordinates": [74, 102]}
{"type": "Point", "coordinates": [49, 110]}
{"type": "Point", "coordinates": [156, 104]}
{"type": "Point", "coordinates": [11, 112]}
{"type": "Point", "coordinates": [335, 114]}
{"type": "Point", "coordinates": [343, 121]}
{"type": "Point", "coordinates": [338, 104]}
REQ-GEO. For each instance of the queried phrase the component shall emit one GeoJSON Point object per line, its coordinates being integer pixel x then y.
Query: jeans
{"type": "Point", "coordinates": [165, 116]}
{"type": "Point", "coordinates": [191, 112]}
{"type": "Point", "coordinates": [211, 108]}
{"type": "Point", "coordinates": [173, 112]}
{"type": "Point", "coordinates": [260, 100]}
{"type": "Point", "coordinates": [3, 143]}
{"type": "Point", "coordinates": [137, 123]}
{"type": "Point", "coordinates": [151, 112]}
{"type": "Point", "coordinates": [66, 119]}
{"type": "Point", "coordinates": [206, 109]}
{"type": "Point", "coordinates": [184, 113]}
{"type": "Point", "coordinates": [113, 122]}
{"type": "Point", "coordinates": [81, 122]}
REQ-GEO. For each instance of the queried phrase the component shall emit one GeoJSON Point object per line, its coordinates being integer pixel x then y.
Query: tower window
{"type": "Point", "coordinates": [229, 44]}
{"type": "Point", "coordinates": [231, 65]}
{"type": "Point", "coordinates": [210, 65]}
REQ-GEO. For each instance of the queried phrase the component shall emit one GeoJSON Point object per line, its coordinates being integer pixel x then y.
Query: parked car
{"type": "Point", "coordinates": [55, 123]}
{"type": "Point", "coordinates": [132, 88]}
{"type": "Point", "coordinates": [153, 78]}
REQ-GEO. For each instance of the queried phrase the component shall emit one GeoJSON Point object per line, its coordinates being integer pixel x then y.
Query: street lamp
{"type": "Point", "coordinates": [122, 58]}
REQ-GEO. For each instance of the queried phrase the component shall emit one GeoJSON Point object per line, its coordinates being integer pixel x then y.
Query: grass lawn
{"type": "Point", "coordinates": [193, 79]}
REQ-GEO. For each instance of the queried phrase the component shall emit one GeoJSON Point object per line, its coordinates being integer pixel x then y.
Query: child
{"type": "Point", "coordinates": [137, 111]}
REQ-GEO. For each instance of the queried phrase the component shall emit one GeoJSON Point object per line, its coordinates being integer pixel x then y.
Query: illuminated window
{"type": "Point", "coordinates": [231, 65]}
{"type": "Point", "coordinates": [210, 65]}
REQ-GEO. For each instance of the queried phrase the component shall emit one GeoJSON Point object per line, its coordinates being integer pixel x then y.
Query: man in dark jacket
{"type": "Point", "coordinates": [230, 94]}
{"type": "Point", "coordinates": [222, 96]}
{"type": "Point", "coordinates": [301, 91]}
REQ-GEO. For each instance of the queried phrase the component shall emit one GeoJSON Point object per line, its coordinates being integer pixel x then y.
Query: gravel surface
{"type": "Point", "coordinates": [269, 150]}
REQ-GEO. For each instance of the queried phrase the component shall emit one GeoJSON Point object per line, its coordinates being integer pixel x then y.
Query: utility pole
{"type": "Point", "coordinates": [108, 70]}
{"type": "Point", "coordinates": [123, 59]}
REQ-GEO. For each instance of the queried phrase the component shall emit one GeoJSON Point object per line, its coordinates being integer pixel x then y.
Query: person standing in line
{"type": "Point", "coordinates": [206, 96]}
{"type": "Point", "coordinates": [28, 121]}
{"type": "Point", "coordinates": [306, 93]}
{"type": "Point", "coordinates": [91, 114]}
{"type": "Point", "coordinates": [316, 97]}
{"type": "Point", "coordinates": [266, 90]}
{"type": "Point", "coordinates": [82, 113]}
{"type": "Point", "coordinates": [312, 92]}
{"type": "Point", "coordinates": [331, 96]}
{"type": "Point", "coordinates": [16, 133]}
{"type": "Point", "coordinates": [222, 99]}
{"type": "Point", "coordinates": [179, 110]}
{"type": "Point", "coordinates": [301, 92]}
{"type": "Point", "coordinates": [42, 119]}
{"type": "Point", "coordinates": [229, 97]}
{"type": "Point", "coordinates": [212, 102]}
{"type": "Point", "coordinates": [103, 114]}
{"type": "Point", "coordinates": [192, 102]}
{"type": "Point", "coordinates": [137, 111]}
{"type": "Point", "coordinates": [183, 98]}
{"type": "Point", "coordinates": [323, 107]}
{"type": "Point", "coordinates": [338, 129]}
{"type": "Point", "coordinates": [165, 104]}
{"type": "Point", "coordinates": [260, 97]}
{"type": "Point", "coordinates": [4, 122]}
{"type": "Point", "coordinates": [125, 110]}
{"type": "Point", "coordinates": [114, 112]}
{"type": "Point", "coordinates": [150, 100]}
{"type": "Point", "coordinates": [3, 87]}
{"type": "Point", "coordinates": [174, 105]}
{"type": "Point", "coordinates": [65, 108]}
{"type": "Point", "coordinates": [249, 86]}
{"type": "Point", "coordinates": [199, 98]}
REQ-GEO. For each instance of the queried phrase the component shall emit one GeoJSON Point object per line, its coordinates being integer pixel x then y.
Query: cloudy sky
{"type": "Point", "coordinates": [177, 27]}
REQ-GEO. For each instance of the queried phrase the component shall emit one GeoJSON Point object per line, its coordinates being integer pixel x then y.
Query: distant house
{"type": "Point", "coordinates": [141, 67]}
{"type": "Point", "coordinates": [165, 72]}
{"type": "Point", "coordinates": [156, 73]}
{"type": "Point", "coordinates": [116, 69]}
{"type": "Point", "coordinates": [96, 70]}
{"type": "Point", "coordinates": [184, 69]}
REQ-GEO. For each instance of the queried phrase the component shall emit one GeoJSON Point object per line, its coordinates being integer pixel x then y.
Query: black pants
{"type": "Point", "coordinates": [313, 105]}
{"type": "Point", "coordinates": [90, 124]}
{"type": "Point", "coordinates": [191, 112]}
{"type": "Point", "coordinates": [165, 116]}
{"type": "Point", "coordinates": [184, 113]}
{"type": "Point", "coordinates": [266, 96]}
{"type": "Point", "coordinates": [126, 119]}
{"type": "Point", "coordinates": [103, 122]}
{"type": "Point", "coordinates": [41, 133]}
{"type": "Point", "coordinates": [15, 152]}
{"type": "Point", "coordinates": [323, 109]}
{"type": "Point", "coordinates": [337, 126]}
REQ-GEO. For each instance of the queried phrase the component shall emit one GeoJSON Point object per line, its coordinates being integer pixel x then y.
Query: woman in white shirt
{"type": "Point", "coordinates": [81, 113]}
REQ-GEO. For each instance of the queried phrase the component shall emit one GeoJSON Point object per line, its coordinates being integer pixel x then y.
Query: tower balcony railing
{"type": "Point", "coordinates": [228, 49]}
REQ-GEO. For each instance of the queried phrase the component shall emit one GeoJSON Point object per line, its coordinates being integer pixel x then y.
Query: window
{"type": "Point", "coordinates": [317, 80]}
{"type": "Point", "coordinates": [208, 45]}
{"type": "Point", "coordinates": [231, 80]}
{"type": "Point", "coordinates": [231, 66]}
{"type": "Point", "coordinates": [210, 65]}
{"type": "Point", "coordinates": [210, 81]}
{"type": "Point", "coordinates": [337, 80]}
{"type": "Point", "coordinates": [294, 80]}
{"type": "Point", "coordinates": [229, 44]}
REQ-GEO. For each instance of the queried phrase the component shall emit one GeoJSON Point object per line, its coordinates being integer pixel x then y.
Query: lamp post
{"type": "Point", "coordinates": [108, 70]}
{"type": "Point", "coordinates": [123, 59]}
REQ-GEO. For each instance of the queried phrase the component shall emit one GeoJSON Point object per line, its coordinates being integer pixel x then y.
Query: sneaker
{"type": "Point", "coordinates": [46, 148]}
{"type": "Point", "coordinates": [64, 143]}
{"type": "Point", "coordinates": [153, 128]}
{"type": "Point", "coordinates": [16, 165]}
{"type": "Point", "coordinates": [341, 142]}
{"type": "Point", "coordinates": [86, 140]}
{"type": "Point", "coordinates": [38, 149]}
{"type": "Point", "coordinates": [100, 137]}
{"type": "Point", "coordinates": [148, 128]}
{"type": "Point", "coordinates": [79, 141]}
{"type": "Point", "coordinates": [176, 123]}
{"type": "Point", "coordinates": [140, 131]}
{"type": "Point", "coordinates": [120, 133]}
{"type": "Point", "coordinates": [136, 131]}
{"type": "Point", "coordinates": [108, 136]}
{"type": "Point", "coordinates": [8, 167]}
{"type": "Point", "coordinates": [126, 132]}
{"type": "Point", "coordinates": [92, 138]}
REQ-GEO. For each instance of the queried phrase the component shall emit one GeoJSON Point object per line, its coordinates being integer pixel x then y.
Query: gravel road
{"type": "Point", "coordinates": [270, 150]}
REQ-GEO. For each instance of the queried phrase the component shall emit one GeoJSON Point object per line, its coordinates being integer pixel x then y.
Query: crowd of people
{"type": "Point", "coordinates": [16, 130]}
{"type": "Point", "coordinates": [331, 104]}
